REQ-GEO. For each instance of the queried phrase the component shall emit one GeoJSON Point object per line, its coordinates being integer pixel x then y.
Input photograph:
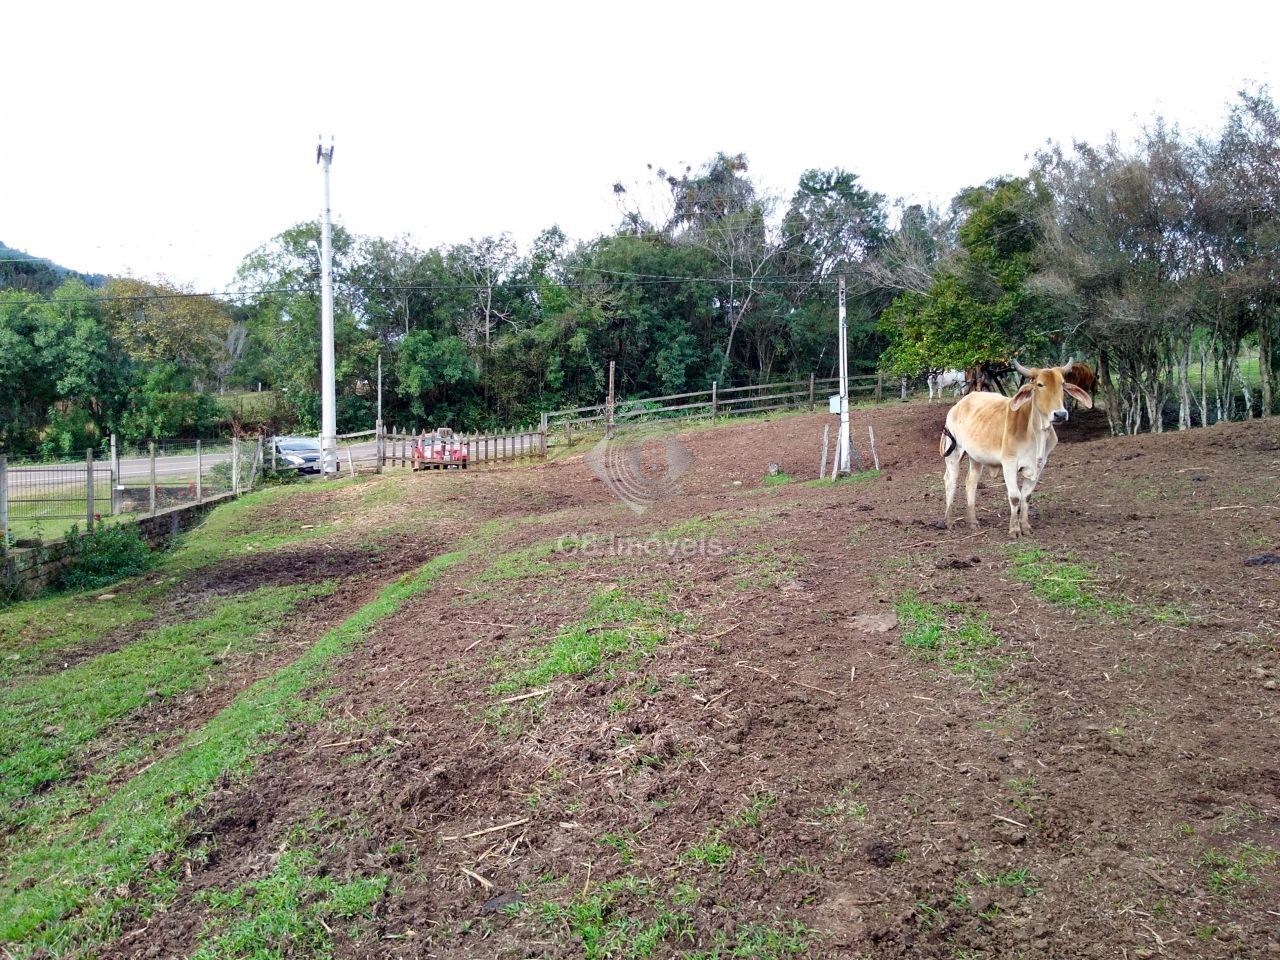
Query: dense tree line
{"type": "Point", "coordinates": [1147, 259]}
{"type": "Point", "coordinates": [1150, 260]}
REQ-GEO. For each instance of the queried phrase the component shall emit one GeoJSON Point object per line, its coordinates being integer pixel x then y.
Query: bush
{"type": "Point", "coordinates": [105, 556]}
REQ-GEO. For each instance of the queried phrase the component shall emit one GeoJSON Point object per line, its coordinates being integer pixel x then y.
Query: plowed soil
{"type": "Point", "coordinates": [782, 765]}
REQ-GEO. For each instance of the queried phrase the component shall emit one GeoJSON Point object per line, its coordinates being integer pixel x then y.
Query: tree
{"type": "Point", "coordinates": [979, 306]}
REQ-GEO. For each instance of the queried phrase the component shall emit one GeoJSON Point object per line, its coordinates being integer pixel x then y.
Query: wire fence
{"type": "Point", "coordinates": [45, 502]}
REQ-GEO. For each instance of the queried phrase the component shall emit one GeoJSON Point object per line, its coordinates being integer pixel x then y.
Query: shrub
{"type": "Point", "coordinates": [105, 556]}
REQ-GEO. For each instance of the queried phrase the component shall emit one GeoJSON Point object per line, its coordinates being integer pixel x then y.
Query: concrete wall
{"type": "Point", "coordinates": [28, 570]}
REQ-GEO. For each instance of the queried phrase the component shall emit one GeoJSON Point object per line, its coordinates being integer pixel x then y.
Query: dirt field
{"type": "Point", "coordinates": [498, 714]}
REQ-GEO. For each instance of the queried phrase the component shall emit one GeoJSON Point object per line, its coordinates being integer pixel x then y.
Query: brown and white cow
{"type": "Point", "coordinates": [1014, 433]}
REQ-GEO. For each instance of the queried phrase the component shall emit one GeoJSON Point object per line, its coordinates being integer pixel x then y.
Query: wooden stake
{"type": "Point", "coordinates": [875, 457]}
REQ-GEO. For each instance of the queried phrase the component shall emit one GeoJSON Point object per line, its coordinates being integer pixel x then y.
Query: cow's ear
{"type": "Point", "coordinates": [1023, 394]}
{"type": "Point", "coordinates": [1082, 398]}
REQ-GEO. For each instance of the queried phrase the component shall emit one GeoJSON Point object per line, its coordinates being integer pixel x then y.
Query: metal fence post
{"type": "Point", "coordinates": [88, 489]}
{"type": "Point", "coordinates": [152, 484]}
{"type": "Point", "coordinates": [4, 504]}
{"type": "Point", "coordinates": [199, 473]}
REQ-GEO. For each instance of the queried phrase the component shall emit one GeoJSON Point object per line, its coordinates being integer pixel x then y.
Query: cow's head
{"type": "Point", "coordinates": [1045, 388]}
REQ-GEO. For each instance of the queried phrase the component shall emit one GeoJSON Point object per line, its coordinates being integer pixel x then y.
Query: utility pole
{"type": "Point", "coordinates": [842, 441]}
{"type": "Point", "coordinates": [377, 427]}
{"type": "Point", "coordinates": [328, 392]}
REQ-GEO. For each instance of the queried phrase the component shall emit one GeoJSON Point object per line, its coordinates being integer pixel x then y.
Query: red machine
{"type": "Point", "coordinates": [439, 450]}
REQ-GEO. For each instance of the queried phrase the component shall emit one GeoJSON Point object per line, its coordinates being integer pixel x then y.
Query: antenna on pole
{"type": "Point", "coordinates": [328, 390]}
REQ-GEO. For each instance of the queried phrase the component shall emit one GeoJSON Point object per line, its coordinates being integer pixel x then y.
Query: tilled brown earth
{"type": "Point", "coordinates": [783, 776]}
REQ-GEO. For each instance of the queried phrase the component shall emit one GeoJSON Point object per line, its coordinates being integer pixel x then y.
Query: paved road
{"type": "Point", "coordinates": [137, 470]}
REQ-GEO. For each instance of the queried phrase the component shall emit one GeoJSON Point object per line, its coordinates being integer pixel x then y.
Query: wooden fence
{"type": "Point", "coordinates": [529, 443]}
{"type": "Point", "coordinates": [715, 402]}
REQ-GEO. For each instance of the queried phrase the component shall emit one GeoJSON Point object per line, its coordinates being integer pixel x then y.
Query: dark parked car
{"type": "Point", "coordinates": [298, 453]}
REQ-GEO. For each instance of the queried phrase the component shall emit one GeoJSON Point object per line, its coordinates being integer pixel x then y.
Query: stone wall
{"type": "Point", "coordinates": [27, 570]}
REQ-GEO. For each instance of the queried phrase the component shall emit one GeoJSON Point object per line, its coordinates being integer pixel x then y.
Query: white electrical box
{"type": "Point", "coordinates": [833, 404]}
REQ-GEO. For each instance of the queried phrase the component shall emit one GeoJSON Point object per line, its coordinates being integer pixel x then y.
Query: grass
{"type": "Point", "coordinates": [288, 912]}
{"type": "Point", "coordinates": [45, 724]}
{"type": "Point", "coordinates": [1227, 871]}
{"type": "Point", "coordinates": [951, 637]}
{"type": "Point", "coordinates": [1064, 583]}
{"type": "Point", "coordinates": [522, 564]}
{"type": "Point", "coordinates": [853, 478]}
{"type": "Point", "coordinates": [757, 806]}
{"type": "Point", "coordinates": [616, 625]}
{"type": "Point", "coordinates": [637, 918]}
{"type": "Point", "coordinates": [777, 479]}
{"type": "Point", "coordinates": [35, 631]}
{"type": "Point", "coordinates": [128, 853]}
{"type": "Point", "coordinates": [1020, 879]}
{"type": "Point", "coordinates": [712, 852]}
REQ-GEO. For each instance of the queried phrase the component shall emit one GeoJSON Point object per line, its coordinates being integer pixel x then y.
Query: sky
{"type": "Point", "coordinates": [172, 139]}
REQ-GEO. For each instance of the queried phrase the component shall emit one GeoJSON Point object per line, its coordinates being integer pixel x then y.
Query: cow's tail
{"type": "Point", "coordinates": [943, 448]}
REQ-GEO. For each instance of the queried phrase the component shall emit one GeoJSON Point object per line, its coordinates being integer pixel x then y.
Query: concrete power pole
{"type": "Point", "coordinates": [328, 392]}
{"type": "Point", "coordinates": [842, 441]}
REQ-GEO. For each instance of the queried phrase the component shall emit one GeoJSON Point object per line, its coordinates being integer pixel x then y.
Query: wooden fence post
{"type": "Point", "coordinates": [811, 393]}
{"type": "Point", "coordinates": [822, 467]}
{"type": "Point", "coordinates": [608, 405]}
{"type": "Point", "coordinates": [88, 488]}
{"type": "Point", "coordinates": [116, 481]}
{"type": "Point", "coordinates": [235, 466]}
{"type": "Point", "coordinates": [714, 399]}
{"type": "Point", "coordinates": [879, 387]}
{"type": "Point", "coordinates": [904, 388]}
{"type": "Point", "coordinates": [200, 469]}
{"type": "Point", "coordinates": [152, 447]}
{"type": "Point", "coordinates": [4, 504]}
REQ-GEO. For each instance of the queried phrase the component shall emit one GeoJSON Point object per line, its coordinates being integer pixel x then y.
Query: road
{"type": "Point", "coordinates": [135, 471]}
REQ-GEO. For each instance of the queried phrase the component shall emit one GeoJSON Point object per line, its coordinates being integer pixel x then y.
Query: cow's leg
{"type": "Point", "coordinates": [971, 492]}
{"type": "Point", "coordinates": [1015, 496]}
{"type": "Point", "coordinates": [1029, 480]}
{"type": "Point", "coordinates": [949, 480]}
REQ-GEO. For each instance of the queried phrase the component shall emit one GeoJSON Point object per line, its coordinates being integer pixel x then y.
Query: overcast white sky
{"type": "Point", "coordinates": [173, 138]}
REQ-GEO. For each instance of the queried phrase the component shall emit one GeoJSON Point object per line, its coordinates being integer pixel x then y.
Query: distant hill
{"type": "Point", "coordinates": [20, 270]}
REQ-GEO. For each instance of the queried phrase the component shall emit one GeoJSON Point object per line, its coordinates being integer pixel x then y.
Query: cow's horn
{"type": "Point", "coordinates": [1020, 368]}
{"type": "Point", "coordinates": [1066, 367]}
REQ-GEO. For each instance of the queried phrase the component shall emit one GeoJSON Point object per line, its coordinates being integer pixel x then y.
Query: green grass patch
{"type": "Point", "coordinates": [522, 564]}
{"type": "Point", "coordinates": [617, 626]}
{"type": "Point", "coordinates": [1227, 871]}
{"type": "Point", "coordinates": [1063, 582]}
{"type": "Point", "coordinates": [66, 892]}
{"type": "Point", "coordinates": [863, 476]}
{"type": "Point", "coordinates": [952, 637]}
{"type": "Point", "coordinates": [45, 723]}
{"type": "Point", "coordinates": [288, 913]}
{"type": "Point", "coordinates": [632, 918]}
{"type": "Point", "coordinates": [35, 631]}
{"type": "Point", "coordinates": [712, 852]}
{"type": "Point", "coordinates": [1020, 879]}
{"type": "Point", "coordinates": [757, 806]}
{"type": "Point", "coordinates": [777, 479]}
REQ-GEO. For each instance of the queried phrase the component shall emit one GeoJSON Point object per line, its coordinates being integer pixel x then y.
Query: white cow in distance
{"type": "Point", "coordinates": [941, 379]}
